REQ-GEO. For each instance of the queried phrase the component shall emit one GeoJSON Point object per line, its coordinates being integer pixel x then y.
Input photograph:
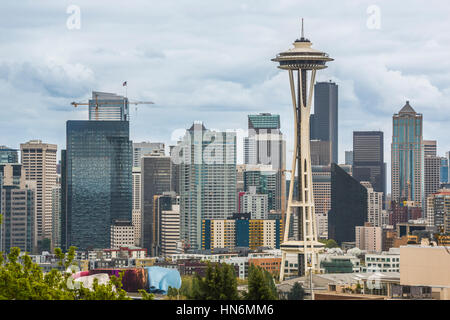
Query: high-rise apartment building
{"type": "Point", "coordinates": [374, 205]}
{"type": "Point", "coordinates": [266, 181]}
{"type": "Point", "coordinates": [122, 234]}
{"type": "Point", "coordinates": [39, 162]}
{"type": "Point", "coordinates": [438, 214]}
{"type": "Point", "coordinates": [407, 156]}
{"type": "Point", "coordinates": [348, 206]}
{"type": "Point", "coordinates": [431, 177]}
{"type": "Point", "coordinates": [156, 178]}
{"type": "Point", "coordinates": [136, 206]}
{"type": "Point", "coordinates": [56, 217]}
{"type": "Point", "coordinates": [108, 107]}
{"type": "Point", "coordinates": [324, 121]}
{"type": "Point", "coordinates": [17, 206]}
{"type": "Point", "coordinates": [207, 162]}
{"type": "Point", "coordinates": [255, 204]}
{"type": "Point", "coordinates": [368, 159]}
{"type": "Point", "coordinates": [97, 173]}
{"type": "Point", "coordinates": [170, 230]}
{"type": "Point", "coordinates": [321, 176]}
{"type": "Point", "coordinates": [369, 238]}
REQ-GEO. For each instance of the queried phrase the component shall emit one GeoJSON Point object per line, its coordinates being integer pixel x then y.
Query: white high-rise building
{"type": "Point", "coordinates": [207, 162]}
{"type": "Point", "coordinates": [374, 205]}
{"type": "Point", "coordinates": [170, 230]}
{"type": "Point", "coordinates": [255, 204]}
{"type": "Point", "coordinates": [39, 163]}
{"type": "Point", "coordinates": [136, 206]}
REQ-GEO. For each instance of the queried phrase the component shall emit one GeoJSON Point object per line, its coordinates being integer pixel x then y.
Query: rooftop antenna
{"type": "Point", "coordinates": [303, 34]}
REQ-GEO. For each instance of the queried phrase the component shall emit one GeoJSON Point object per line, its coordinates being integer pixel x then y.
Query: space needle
{"type": "Point", "coordinates": [302, 62]}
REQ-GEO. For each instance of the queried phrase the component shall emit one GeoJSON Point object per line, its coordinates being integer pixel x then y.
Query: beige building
{"type": "Point", "coordinates": [122, 234]}
{"type": "Point", "coordinates": [322, 198]}
{"type": "Point", "coordinates": [369, 238]}
{"type": "Point", "coordinates": [170, 230]}
{"type": "Point", "coordinates": [374, 205]}
{"type": "Point", "coordinates": [136, 206]}
{"type": "Point", "coordinates": [39, 162]}
{"type": "Point", "coordinates": [426, 266]}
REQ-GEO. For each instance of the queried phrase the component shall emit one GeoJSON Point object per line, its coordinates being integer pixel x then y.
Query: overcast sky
{"type": "Point", "coordinates": [210, 61]}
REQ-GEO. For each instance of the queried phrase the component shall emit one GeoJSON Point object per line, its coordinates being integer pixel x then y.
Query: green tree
{"type": "Point", "coordinates": [21, 279]}
{"type": "Point", "coordinates": [297, 292]}
{"type": "Point", "coordinates": [331, 244]}
{"type": "Point", "coordinates": [260, 286]}
{"type": "Point", "coordinates": [219, 283]}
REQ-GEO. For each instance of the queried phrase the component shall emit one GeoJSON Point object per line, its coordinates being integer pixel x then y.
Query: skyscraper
{"type": "Point", "coordinates": [430, 148]}
{"type": "Point", "coordinates": [374, 205]}
{"type": "Point", "coordinates": [108, 107]}
{"type": "Point", "coordinates": [348, 206]}
{"type": "Point", "coordinates": [443, 170]}
{"type": "Point", "coordinates": [39, 163]}
{"type": "Point", "coordinates": [17, 205]}
{"type": "Point", "coordinates": [368, 159]}
{"type": "Point", "coordinates": [324, 121]}
{"type": "Point", "coordinates": [98, 177]}
{"type": "Point", "coordinates": [141, 149]}
{"type": "Point", "coordinates": [207, 179]}
{"type": "Point", "coordinates": [320, 153]}
{"type": "Point", "coordinates": [137, 206]}
{"type": "Point", "coordinates": [407, 156]}
{"type": "Point", "coordinates": [265, 146]}
{"type": "Point", "coordinates": [431, 175]}
{"type": "Point", "coordinates": [349, 157]}
{"type": "Point", "coordinates": [156, 178]}
{"type": "Point", "coordinates": [8, 155]}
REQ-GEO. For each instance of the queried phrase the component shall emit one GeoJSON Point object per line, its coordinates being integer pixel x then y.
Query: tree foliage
{"type": "Point", "coordinates": [297, 292]}
{"type": "Point", "coordinates": [261, 285]}
{"type": "Point", "coordinates": [22, 279]}
{"type": "Point", "coordinates": [219, 283]}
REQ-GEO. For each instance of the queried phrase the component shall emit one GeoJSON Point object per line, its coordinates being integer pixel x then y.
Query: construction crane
{"type": "Point", "coordinates": [76, 104]}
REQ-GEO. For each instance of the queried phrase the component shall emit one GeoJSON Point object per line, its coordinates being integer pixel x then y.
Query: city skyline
{"type": "Point", "coordinates": [373, 77]}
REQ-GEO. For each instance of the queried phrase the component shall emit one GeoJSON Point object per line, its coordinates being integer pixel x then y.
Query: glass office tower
{"type": "Point", "coordinates": [348, 206]}
{"type": "Point", "coordinates": [99, 181]}
{"type": "Point", "coordinates": [407, 156]}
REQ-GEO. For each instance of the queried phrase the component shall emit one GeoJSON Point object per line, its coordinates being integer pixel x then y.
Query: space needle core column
{"type": "Point", "coordinates": [298, 61]}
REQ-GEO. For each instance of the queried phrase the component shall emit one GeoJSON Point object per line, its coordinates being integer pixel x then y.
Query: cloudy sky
{"type": "Point", "coordinates": [210, 60]}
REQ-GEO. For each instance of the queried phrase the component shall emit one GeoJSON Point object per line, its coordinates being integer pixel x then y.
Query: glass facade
{"type": "Point", "coordinates": [8, 155]}
{"type": "Point", "coordinates": [348, 206]}
{"type": "Point", "coordinates": [99, 181]}
{"type": "Point", "coordinates": [407, 156]}
{"type": "Point", "coordinates": [207, 179]}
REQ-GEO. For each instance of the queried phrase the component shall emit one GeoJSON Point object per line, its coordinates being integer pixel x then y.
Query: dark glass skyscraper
{"type": "Point", "coordinates": [348, 206]}
{"type": "Point", "coordinates": [368, 159]}
{"type": "Point", "coordinates": [99, 181]}
{"type": "Point", "coordinates": [156, 178]}
{"type": "Point", "coordinates": [324, 121]}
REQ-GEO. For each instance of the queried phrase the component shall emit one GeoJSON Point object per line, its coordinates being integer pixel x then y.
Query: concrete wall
{"type": "Point", "coordinates": [426, 266]}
